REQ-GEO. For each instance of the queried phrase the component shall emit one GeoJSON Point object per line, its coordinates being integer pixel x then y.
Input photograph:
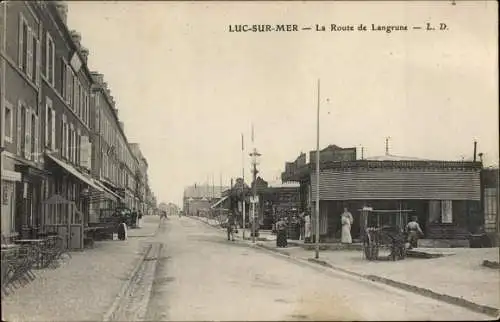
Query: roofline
{"type": "Point", "coordinates": [303, 172]}
{"type": "Point", "coordinates": [64, 28]}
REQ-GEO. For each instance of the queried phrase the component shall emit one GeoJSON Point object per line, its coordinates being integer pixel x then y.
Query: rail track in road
{"type": "Point", "coordinates": [131, 303]}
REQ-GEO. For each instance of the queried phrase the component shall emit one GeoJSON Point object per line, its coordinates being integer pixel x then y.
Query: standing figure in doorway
{"type": "Point", "coordinates": [346, 220]}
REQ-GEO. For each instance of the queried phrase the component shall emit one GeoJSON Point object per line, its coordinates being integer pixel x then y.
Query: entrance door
{"type": "Point", "coordinates": [8, 207]}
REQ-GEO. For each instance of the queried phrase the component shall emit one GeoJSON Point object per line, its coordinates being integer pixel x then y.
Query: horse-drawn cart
{"type": "Point", "coordinates": [384, 233]}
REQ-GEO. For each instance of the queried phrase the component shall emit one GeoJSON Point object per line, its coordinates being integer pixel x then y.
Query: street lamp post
{"type": "Point", "coordinates": [316, 239]}
{"type": "Point", "coordinates": [254, 156]}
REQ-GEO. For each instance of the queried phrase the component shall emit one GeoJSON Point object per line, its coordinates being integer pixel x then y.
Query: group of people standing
{"type": "Point", "coordinates": [305, 224]}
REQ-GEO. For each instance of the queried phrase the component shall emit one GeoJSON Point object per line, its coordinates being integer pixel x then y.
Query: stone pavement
{"type": "Point", "coordinates": [460, 275]}
{"type": "Point", "coordinates": [83, 287]}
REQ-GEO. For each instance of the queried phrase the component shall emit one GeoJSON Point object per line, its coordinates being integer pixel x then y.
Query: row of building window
{"type": "Point", "coordinates": [110, 134]}
{"type": "Point", "coordinates": [28, 130]}
{"type": "Point", "coordinates": [74, 93]}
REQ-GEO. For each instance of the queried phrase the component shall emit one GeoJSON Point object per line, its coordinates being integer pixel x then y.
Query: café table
{"type": "Point", "coordinates": [36, 249]}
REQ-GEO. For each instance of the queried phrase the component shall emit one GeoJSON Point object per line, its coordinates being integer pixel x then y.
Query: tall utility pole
{"type": "Point", "coordinates": [254, 156]}
{"type": "Point", "coordinates": [316, 238]}
{"type": "Point", "coordinates": [243, 189]}
{"type": "Point", "coordinates": [220, 188]}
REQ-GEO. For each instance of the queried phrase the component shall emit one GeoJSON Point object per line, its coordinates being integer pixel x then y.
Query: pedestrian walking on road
{"type": "Point", "coordinates": [281, 240]}
{"type": "Point", "coordinates": [139, 219]}
{"type": "Point", "coordinates": [230, 227]}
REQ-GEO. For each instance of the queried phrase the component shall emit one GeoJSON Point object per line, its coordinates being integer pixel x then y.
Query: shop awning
{"type": "Point", "coordinates": [75, 172]}
{"type": "Point", "coordinates": [110, 194]}
{"type": "Point", "coordinates": [219, 202]}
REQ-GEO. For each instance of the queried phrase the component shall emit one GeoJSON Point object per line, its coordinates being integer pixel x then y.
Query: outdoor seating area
{"type": "Point", "coordinates": [19, 257]}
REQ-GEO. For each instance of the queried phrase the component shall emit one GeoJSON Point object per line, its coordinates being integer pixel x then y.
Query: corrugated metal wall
{"type": "Point", "coordinates": [398, 184]}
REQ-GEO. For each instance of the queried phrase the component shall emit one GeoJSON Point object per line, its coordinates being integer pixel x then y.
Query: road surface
{"type": "Point", "coordinates": [202, 276]}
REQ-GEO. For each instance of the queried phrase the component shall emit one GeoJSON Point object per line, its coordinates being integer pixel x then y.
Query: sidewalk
{"type": "Point", "coordinates": [83, 287]}
{"type": "Point", "coordinates": [459, 273]}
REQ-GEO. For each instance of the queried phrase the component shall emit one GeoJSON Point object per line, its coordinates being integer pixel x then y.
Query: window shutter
{"type": "Point", "coordinates": [21, 42]}
{"type": "Point", "coordinates": [73, 144]}
{"type": "Point", "coordinates": [78, 147]}
{"type": "Point", "coordinates": [37, 137]}
{"type": "Point", "coordinates": [27, 134]}
{"type": "Point", "coordinates": [29, 56]}
{"type": "Point", "coordinates": [64, 138]}
{"type": "Point", "coordinates": [19, 134]}
{"type": "Point", "coordinates": [69, 81]}
{"type": "Point", "coordinates": [53, 136]}
{"type": "Point", "coordinates": [48, 57]}
{"type": "Point", "coordinates": [38, 61]}
{"type": "Point", "coordinates": [63, 79]}
{"type": "Point", "coordinates": [47, 112]}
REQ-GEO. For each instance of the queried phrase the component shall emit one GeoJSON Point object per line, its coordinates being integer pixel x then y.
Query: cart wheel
{"type": "Point", "coordinates": [375, 251]}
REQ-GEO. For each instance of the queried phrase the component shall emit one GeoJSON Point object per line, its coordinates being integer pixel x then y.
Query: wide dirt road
{"type": "Point", "coordinates": [204, 277]}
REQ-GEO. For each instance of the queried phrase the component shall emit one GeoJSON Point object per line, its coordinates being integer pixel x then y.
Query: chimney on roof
{"type": "Point", "coordinates": [122, 126]}
{"type": "Point", "coordinates": [62, 10]}
{"type": "Point", "coordinates": [98, 78]}
{"type": "Point", "coordinates": [475, 150]}
{"type": "Point", "coordinates": [76, 37]}
{"type": "Point", "coordinates": [84, 52]}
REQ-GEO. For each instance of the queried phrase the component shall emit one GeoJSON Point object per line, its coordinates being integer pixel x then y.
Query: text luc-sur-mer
{"type": "Point", "coordinates": [427, 26]}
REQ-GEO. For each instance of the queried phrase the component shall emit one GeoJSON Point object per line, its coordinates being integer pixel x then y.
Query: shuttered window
{"type": "Point", "coordinates": [24, 34]}
{"type": "Point", "coordinates": [49, 59]}
{"type": "Point", "coordinates": [27, 134]}
{"type": "Point", "coordinates": [64, 142]}
{"type": "Point", "coordinates": [49, 124]}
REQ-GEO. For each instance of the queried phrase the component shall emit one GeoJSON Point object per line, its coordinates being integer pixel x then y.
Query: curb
{"type": "Point", "coordinates": [490, 264]}
{"type": "Point", "coordinates": [488, 310]}
{"type": "Point", "coordinates": [272, 249]}
{"type": "Point", "coordinates": [206, 223]}
{"type": "Point", "coordinates": [484, 309]}
{"type": "Point", "coordinates": [126, 286]}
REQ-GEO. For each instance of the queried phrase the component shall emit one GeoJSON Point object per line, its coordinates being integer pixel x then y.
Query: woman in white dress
{"type": "Point", "coordinates": [346, 220]}
{"type": "Point", "coordinates": [307, 228]}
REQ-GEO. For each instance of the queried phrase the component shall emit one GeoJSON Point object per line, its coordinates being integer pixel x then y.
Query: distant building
{"type": "Point", "coordinates": [199, 198]}
{"type": "Point", "coordinates": [141, 178]}
{"type": "Point", "coordinates": [490, 201]}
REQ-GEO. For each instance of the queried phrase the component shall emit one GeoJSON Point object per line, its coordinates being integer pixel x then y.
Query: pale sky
{"type": "Point", "coordinates": [186, 87]}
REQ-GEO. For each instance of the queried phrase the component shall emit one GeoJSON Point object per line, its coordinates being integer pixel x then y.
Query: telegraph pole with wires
{"type": "Point", "coordinates": [243, 189]}
{"type": "Point", "coordinates": [316, 237]}
{"type": "Point", "coordinates": [254, 156]}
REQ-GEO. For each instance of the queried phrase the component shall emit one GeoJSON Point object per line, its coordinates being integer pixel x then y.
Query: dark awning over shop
{"type": "Point", "coordinates": [106, 193]}
{"type": "Point", "coordinates": [75, 172]}
{"type": "Point", "coordinates": [429, 184]}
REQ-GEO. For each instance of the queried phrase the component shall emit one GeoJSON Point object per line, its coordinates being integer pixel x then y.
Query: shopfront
{"type": "Point", "coordinates": [445, 196]}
